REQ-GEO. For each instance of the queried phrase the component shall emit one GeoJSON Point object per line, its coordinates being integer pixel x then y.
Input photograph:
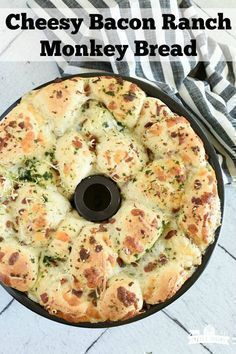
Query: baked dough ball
{"type": "Point", "coordinates": [174, 136]}
{"type": "Point", "coordinates": [95, 120]}
{"type": "Point", "coordinates": [134, 230]}
{"type": "Point", "coordinates": [40, 172]}
{"type": "Point", "coordinates": [7, 228]}
{"type": "Point", "coordinates": [24, 134]}
{"type": "Point", "coordinates": [153, 111]}
{"type": "Point", "coordinates": [123, 98]}
{"type": "Point", "coordinates": [120, 156]}
{"type": "Point", "coordinates": [36, 212]}
{"type": "Point", "coordinates": [160, 184]}
{"type": "Point", "coordinates": [74, 160]}
{"type": "Point", "coordinates": [59, 293]}
{"type": "Point", "coordinates": [59, 102]}
{"type": "Point", "coordinates": [92, 258]}
{"type": "Point", "coordinates": [18, 265]}
{"type": "Point", "coordinates": [167, 266]}
{"type": "Point", "coordinates": [6, 183]}
{"type": "Point", "coordinates": [63, 238]}
{"type": "Point", "coordinates": [200, 212]}
{"type": "Point", "coordinates": [121, 300]}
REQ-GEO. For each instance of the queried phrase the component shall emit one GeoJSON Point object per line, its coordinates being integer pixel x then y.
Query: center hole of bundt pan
{"type": "Point", "coordinates": [97, 198]}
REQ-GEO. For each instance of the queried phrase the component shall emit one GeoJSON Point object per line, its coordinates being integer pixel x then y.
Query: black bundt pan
{"type": "Point", "coordinates": [179, 109]}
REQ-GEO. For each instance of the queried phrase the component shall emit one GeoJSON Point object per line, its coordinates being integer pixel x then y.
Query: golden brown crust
{"type": "Point", "coordinates": [18, 265]}
{"type": "Point", "coordinates": [160, 184]}
{"type": "Point", "coordinates": [86, 272]}
{"type": "Point", "coordinates": [200, 212]}
{"type": "Point", "coordinates": [23, 132]}
{"type": "Point", "coordinates": [59, 102]}
{"type": "Point", "coordinates": [121, 300]}
{"type": "Point", "coordinates": [123, 98]}
{"type": "Point", "coordinates": [135, 228]}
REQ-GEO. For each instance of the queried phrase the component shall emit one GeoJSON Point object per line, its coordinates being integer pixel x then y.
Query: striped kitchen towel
{"type": "Point", "coordinates": [206, 85]}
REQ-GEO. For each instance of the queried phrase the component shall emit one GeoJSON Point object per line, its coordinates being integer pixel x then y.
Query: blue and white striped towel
{"type": "Point", "coordinates": [206, 85]}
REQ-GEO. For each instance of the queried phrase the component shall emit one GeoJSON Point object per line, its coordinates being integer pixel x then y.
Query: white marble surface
{"type": "Point", "coordinates": [211, 301]}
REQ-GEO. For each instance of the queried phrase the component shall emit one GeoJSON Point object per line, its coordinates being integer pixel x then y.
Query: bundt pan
{"type": "Point", "coordinates": [99, 183]}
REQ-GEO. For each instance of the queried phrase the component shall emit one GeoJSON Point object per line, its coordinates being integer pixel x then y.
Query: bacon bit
{"type": "Point", "coordinates": [1, 255]}
{"type": "Point", "coordinates": [110, 221]}
{"type": "Point", "coordinates": [93, 142]}
{"type": "Point", "coordinates": [58, 79]}
{"type": "Point", "coordinates": [119, 80]}
{"type": "Point", "coordinates": [112, 105]}
{"type": "Point", "coordinates": [133, 87]}
{"type": "Point", "coordinates": [170, 234]}
{"type": "Point", "coordinates": [87, 89]}
{"type": "Point", "coordinates": [21, 125]}
{"type": "Point", "coordinates": [21, 211]}
{"type": "Point", "coordinates": [48, 231]}
{"type": "Point", "coordinates": [206, 197]}
{"type": "Point", "coordinates": [205, 217]}
{"type": "Point", "coordinates": [112, 87]}
{"type": "Point", "coordinates": [102, 228]}
{"type": "Point", "coordinates": [195, 149]}
{"type": "Point", "coordinates": [84, 254]}
{"type": "Point", "coordinates": [133, 245]}
{"type": "Point", "coordinates": [63, 281]}
{"type": "Point", "coordinates": [13, 258]}
{"type": "Point", "coordinates": [196, 201]}
{"type": "Point", "coordinates": [24, 201]}
{"type": "Point", "coordinates": [12, 124]}
{"type": "Point", "coordinates": [180, 178]}
{"type": "Point", "coordinates": [126, 297]}
{"type": "Point", "coordinates": [192, 229]}
{"type": "Point", "coordinates": [9, 224]}
{"type": "Point", "coordinates": [148, 124]}
{"type": "Point", "coordinates": [154, 222]}
{"type": "Point", "coordinates": [197, 184]}
{"type": "Point", "coordinates": [159, 107]}
{"type": "Point", "coordinates": [137, 212]}
{"type": "Point", "coordinates": [77, 143]}
{"type": "Point", "coordinates": [116, 176]}
{"type": "Point", "coordinates": [162, 259]}
{"type": "Point", "coordinates": [5, 279]}
{"type": "Point", "coordinates": [92, 240]}
{"type": "Point", "coordinates": [92, 276]}
{"type": "Point", "coordinates": [129, 159]}
{"type": "Point", "coordinates": [77, 293]}
{"type": "Point", "coordinates": [174, 134]}
{"type": "Point", "coordinates": [59, 94]}
{"type": "Point", "coordinates": [120, 262]}
{"type": "Point", "coordinates": [129, 97]}
{"type": "Point", "coordinates": [181, 138]}
{"type": "Point", "coordinates": [73, 79]}
{"type": "Point", "coordinates": [98, 248]}
{"type": "Point", "coordinates": [44, 298]}
{"type": "Point", "coordinates": [150, 267]}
